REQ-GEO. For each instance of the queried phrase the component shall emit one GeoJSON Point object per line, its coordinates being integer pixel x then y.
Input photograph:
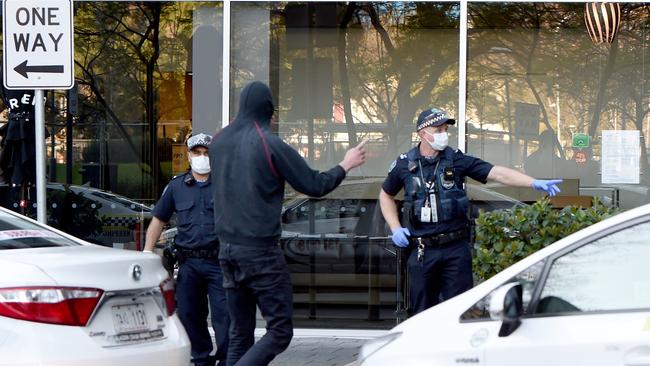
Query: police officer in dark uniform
{"type": "Point", "coordinates": [199, 275]}
{"type": "Point", "coordinates": [436, 209]}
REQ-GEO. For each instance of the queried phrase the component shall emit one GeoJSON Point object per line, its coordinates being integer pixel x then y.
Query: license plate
{"type": "Point", "coordinates": [129, 318]}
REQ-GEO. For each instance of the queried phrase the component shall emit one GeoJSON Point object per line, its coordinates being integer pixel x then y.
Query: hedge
{"type": "Point", "coordinates": [503, 237]}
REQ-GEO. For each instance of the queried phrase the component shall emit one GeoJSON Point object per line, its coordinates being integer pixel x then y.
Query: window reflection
{"type": "Point", "coordinates": [122, 128]}
{"type": "Point", "coordinates": [536, 81]}
{"type": "Point", "coordinates": [338, 259]}
{"type": "Point", "coordinates": [134, 70]}
{"type": "Point", "coordinates": [528, 280]}
{"type": "Point", "coordinates": [343, 72]}
{"type": "Point", "coordinates": [331, 216]}
{"type": "Point", "coordinates": [608, 274]}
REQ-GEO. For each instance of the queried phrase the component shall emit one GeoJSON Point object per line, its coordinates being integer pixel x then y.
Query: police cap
{"type": "Point", "coordinates": [199, 139]}
{"type": "Point", "coordinates": [433, 117]}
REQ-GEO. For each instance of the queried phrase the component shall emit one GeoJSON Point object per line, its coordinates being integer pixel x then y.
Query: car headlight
{"type": "Point", "coordinates": [376, 344]}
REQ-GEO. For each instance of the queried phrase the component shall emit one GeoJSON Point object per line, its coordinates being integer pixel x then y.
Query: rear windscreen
{"type": "Point", "coordinates": [18, 233]}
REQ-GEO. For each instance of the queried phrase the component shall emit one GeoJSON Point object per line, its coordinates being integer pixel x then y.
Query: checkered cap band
{"type": "Point", "coordinates": [433, 117]}
{"type": "Point", "coordinates": [200, 139]}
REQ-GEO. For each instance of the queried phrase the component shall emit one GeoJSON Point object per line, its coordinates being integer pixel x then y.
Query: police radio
{"type": "Point", "coordinates": [449, 173]}
{"type": "Point", "coordinates": [413, 167]}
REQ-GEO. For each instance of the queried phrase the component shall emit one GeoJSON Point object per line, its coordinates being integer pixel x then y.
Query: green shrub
{"type": "Point", "coordinates": [503, 237]}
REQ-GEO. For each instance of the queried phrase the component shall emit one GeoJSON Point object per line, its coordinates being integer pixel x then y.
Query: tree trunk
{"type": "Point", "coordinates": [529, 81]}
{"type": "Point", "coordinates": [602, 87]}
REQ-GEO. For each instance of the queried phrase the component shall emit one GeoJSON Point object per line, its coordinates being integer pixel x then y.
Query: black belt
{"type": "Point", "coordinates": [199, 253]}
{"type": "Point", "coordinates": [442, 239]}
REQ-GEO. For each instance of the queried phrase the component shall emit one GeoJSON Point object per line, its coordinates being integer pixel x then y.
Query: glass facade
{"type": "Point", "coordinates": [346, 72]}
{"type": "Point", "coordinates": [539, 94]}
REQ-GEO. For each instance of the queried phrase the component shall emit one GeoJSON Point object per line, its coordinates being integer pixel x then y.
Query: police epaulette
{"type": "Point", "coordinates": [179, 175]}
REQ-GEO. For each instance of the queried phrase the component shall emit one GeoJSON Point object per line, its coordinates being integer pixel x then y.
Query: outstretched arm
{"type": "Point", "coordinates": [510, 177]}
{"type": "Point", "coordinates": [514, 178]}
{"type": "Point", "coordinates": [295, 170]}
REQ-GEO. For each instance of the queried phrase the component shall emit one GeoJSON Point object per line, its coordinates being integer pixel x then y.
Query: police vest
{"type": "Point", "coordinates": [452, 202]}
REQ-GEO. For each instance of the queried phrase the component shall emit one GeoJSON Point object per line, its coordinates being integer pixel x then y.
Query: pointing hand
{"type": "Point", "coordinates": [548, 186]}
{"type": "Point", "coordinates": [354, 157]}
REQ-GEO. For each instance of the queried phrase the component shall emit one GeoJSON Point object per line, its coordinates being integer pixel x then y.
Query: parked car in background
{"type": "Point", "coordinates": [340, 246]}
{"type": "Point", "coordinates": [584, 300]}
{"type": "Point", "coordinates": [67, 302]}
{"type": "Point", "coordinates": [353, 201]}
{"type": "Point", "coordinates": [88, 213]}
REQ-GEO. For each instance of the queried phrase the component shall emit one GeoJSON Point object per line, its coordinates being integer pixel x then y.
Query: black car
{"type": "Point", "coordinates": [88, 213]}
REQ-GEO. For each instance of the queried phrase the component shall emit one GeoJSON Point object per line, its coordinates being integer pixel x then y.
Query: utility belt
{"type": "Point", "coordinates": [207, 253]}
{"type": "Point", "coordinates": [441, 239]}
{"type": "Point", "coordinates": [438, 241]}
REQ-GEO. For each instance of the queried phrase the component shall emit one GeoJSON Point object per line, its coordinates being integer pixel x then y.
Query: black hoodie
{"type": "Point", "coordinates": [249, 167]}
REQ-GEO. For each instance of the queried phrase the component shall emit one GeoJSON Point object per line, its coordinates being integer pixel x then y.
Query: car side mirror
{"type": "Point", "coordinates": [506, 305]}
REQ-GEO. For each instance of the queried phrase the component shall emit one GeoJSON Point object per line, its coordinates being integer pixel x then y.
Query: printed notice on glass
{"type": "Point", "coordinates": [621, 151]}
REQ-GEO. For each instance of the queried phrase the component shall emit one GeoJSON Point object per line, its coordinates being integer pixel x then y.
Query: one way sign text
{"type": "Point", "coordinates": [38, 44]}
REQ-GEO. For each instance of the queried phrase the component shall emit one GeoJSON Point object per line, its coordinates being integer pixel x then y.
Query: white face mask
{"type": "Point", "coordinates": [440, 140]}
{"type": "Point", "coordinates": [200, 164]}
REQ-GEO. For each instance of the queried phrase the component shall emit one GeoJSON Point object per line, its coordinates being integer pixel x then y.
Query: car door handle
{"type": "Point", "coordinates": [638, 356]}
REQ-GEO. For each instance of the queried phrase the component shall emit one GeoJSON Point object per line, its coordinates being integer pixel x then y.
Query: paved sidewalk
{"type": "Point", "coordinates": [322, 347]}
{"type": "Point", "coordinates": [320, 352]}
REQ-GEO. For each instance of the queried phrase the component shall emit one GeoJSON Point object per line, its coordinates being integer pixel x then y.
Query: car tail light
{"type": "Point", "coordinates": [167, 288]}
{"type": "Point", "coordinates": [55, 305]}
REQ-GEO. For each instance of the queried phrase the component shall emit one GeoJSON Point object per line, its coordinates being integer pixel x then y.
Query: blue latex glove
{"type": "Point", "coordinates": [400, 237]}
{"type": "Point", "coordinates": [548, 186]}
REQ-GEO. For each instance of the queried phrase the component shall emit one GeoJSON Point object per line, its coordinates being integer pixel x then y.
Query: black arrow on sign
{"type": "Point", "coordinates": [23, 69]}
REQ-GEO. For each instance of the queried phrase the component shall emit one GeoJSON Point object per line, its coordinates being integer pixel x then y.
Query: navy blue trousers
{"type": "Point", "coordinates": [199, 280]}
{"type": "Point", "coordinates": [257, 277]}
{"type": "Point", "coordinates": [443, 273]}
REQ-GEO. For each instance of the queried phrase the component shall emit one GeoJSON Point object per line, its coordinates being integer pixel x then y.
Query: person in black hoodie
{"type": "Point", "coordinates": [250, 166]}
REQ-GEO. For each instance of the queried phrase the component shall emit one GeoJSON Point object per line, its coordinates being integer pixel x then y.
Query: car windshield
{"type": "Point", "coordinates": [18, 233]}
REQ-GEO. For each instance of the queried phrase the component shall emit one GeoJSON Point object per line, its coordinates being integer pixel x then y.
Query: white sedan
{"type": "Point", "coordinates": [584, 300]}
{"type": "Point", "coordinates": [67, 302]}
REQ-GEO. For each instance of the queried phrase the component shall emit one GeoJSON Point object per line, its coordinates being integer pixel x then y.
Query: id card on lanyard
{"type": "Point", "coordinates": [429, 213]}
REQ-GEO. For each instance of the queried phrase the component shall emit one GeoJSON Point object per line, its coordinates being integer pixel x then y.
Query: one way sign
{"type": "Point", "coordinates": [38, 44]}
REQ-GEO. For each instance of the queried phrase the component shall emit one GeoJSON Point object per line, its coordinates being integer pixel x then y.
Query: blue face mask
{"type": "Point", "coordinates": [440, 140]}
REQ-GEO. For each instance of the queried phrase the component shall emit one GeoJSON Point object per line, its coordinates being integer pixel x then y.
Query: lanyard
{"type": "Point", "coordinates": [430, 184]}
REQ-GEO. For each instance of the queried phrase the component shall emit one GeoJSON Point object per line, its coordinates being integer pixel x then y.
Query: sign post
{"type": "Point", "coordinates": [38, 54]}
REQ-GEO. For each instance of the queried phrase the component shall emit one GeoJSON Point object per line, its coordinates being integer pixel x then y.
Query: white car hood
{"type": "Point", "coordinates": [84, 266]}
